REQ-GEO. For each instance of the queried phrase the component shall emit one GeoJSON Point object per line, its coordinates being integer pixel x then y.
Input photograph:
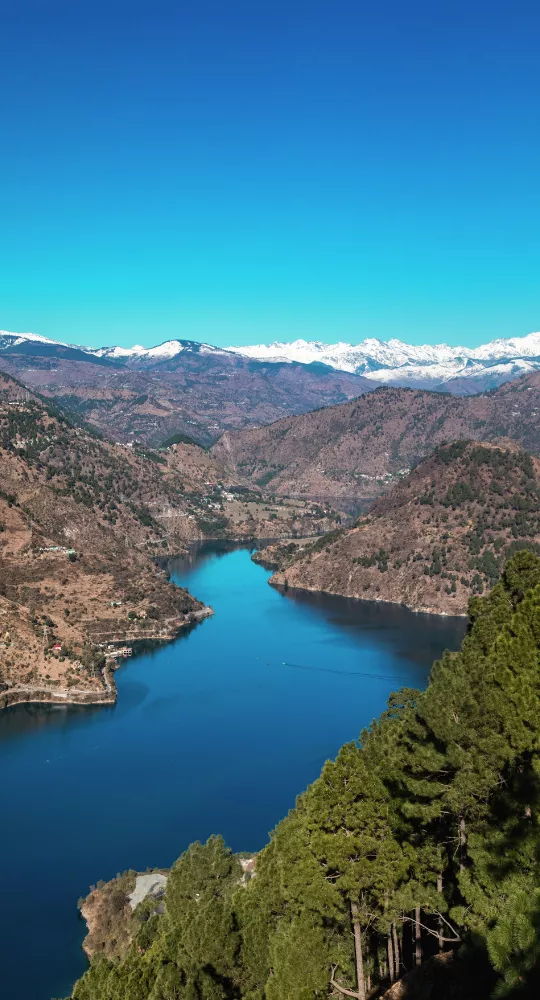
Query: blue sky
{"type": "Point", "coordinates": [247, 171]}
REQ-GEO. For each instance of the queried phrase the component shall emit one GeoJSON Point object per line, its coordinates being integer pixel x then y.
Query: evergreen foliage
{"type": "Point", "coordinates": [422, 837]}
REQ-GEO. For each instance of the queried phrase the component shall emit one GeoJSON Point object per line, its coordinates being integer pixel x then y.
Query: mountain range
{"type": "Point", "coordinates": [179, 387]}
{"type": "Point", "coordinates": [83, 522]}
{"type": "Point", "coordinates": [459, 370]}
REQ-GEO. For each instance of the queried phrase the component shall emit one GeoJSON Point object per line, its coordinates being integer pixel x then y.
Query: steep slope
{"type": "Point", "coordinates": [77, 540]}
{"type": "Point", "coordinates": [355, 451]}
{"type": "Point", "coordinates": [439, 536]}
{"type": "Point", "coordinates": [175, 495]}
{"type": "Point", "coordinates": [223, 505]}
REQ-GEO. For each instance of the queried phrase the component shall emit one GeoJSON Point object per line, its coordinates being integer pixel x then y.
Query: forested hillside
{"type": "Point", "coordinates": [439, 536]}
{"type": "Point", "coordinates": [417, 848]}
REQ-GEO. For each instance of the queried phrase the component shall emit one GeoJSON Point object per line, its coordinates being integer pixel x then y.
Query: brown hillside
{"type": "Point", "coordinates": [82, 522]}
{"type": "Point", "coordinates": [198, 393]}
{"type": "Point", "coordinates": [160, 499]}
{"type": "Point", "coordinates": [357, 450]}
{"type": "Point", "coordinates": [438, 538]}
{"type": "Point", "coordinates": [77, 541]}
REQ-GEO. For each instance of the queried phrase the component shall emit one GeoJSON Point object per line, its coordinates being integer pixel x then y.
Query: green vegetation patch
{"type": "Point", "coordinates": [422, 836]}
{"type": "Point", "coordinates": [181, 439]}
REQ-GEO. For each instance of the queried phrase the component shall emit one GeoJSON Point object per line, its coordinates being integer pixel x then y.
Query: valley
{"type": "Point", "coordinates": [210, 732]}
{"type": "Point", "coordinates": [85, 526]}
{"type": "Point", "coordinates": [413, 840]}
{"type": "Point", "coordinates": [270, 501]}
{"type": "Point", "coordinates": [100, 539]}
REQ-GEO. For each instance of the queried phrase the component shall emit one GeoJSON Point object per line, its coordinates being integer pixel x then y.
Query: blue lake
{"type": "Point", "coordinates": [217, 732]}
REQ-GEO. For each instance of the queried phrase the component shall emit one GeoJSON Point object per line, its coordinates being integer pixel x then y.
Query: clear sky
{"type": "Point", "coordinates": [240, 171]}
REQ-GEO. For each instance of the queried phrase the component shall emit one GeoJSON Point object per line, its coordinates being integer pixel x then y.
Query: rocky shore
{"type": "Point", "coordinates": [49, 696]}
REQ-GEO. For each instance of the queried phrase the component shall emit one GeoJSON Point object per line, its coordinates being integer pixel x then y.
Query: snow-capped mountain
{"type": "Point", "coordinates": [427, 366]}
{"type": "Point", "coordinates": [163, 352]}
{"type": "Point", "coordinates": [8, 339]}
{"type": "Point", "coordinates": [119, 352]}
{"type": "Point", "coordinates": [461, 370]}
{"type": "Point", "coordinates": [369, 355]}
{"type": "Point", "coordinates": [137, 354]}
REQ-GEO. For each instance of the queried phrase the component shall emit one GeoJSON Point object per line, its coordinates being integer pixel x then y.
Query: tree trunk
{"type": "Point", "coordinates": [417, 937]}
{"type": "Point", "coordinates": [390, 958]}
{"type": "Point", "coordinates": [358, 951]}
{"type": "Point", "coordinates": [396, 951]}
{"type": "Point", "coordinates": [440, 923]}
{"type": "Point", "coordinates": [462, 841]}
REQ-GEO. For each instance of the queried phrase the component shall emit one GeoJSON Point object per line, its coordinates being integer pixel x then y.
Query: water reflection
{"type": "Point", "coordinates": [20, 720]}
{"type": "Point", "coordinates": [408, 633]}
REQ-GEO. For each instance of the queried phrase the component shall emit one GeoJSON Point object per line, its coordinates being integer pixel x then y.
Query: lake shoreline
{"type": "Point", "coordinates": [286, 589]}
{"type": "Point", "coordinates": [31, 694]}
{"type": "Point", "coordinates": [276, 558]}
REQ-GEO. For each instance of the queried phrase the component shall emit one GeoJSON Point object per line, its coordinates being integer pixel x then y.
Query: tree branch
{"type": "Point", "coordinates": [347, 993]}
{"type": "Point", "coordinates": [448, 924]}
{"type": "Point", "coordinates": [436, 934]}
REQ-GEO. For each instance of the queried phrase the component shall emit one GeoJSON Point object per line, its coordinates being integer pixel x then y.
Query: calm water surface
{"type": "Point", "coordinates": [217, 732]}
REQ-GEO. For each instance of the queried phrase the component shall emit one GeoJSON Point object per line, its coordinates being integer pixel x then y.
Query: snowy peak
{"type": "Point", "coordinates": [393, 362]}
{"type": "Point", "coordinates": [387, 362]}
{"type": "Point", "coordinates": [162, 352]}
{"type": "Point", "coordinates": [118, 352]}
{"type": "Point", "coordinates": [514, 347]}
{"type": "Point", "coordinates": [9, 339]}
{"type": "Point", "coordinates": [371, 353]}
{"type": "Point", "coordinates": [167, 350]}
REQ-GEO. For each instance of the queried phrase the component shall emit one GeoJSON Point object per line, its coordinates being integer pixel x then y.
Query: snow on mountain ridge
{"type": "Point", "coordinates": [391, 362]}
{"type": "Point", "coordinates": [372, 355]}
{"type": "Point", "coordinates": [118, 352]}
{"type": "Point", "coordinates": [20, 338]}
{"type": "Point", "coordinates": [360, 358]}
{"type": "Point", "coordinates": [169, 349]}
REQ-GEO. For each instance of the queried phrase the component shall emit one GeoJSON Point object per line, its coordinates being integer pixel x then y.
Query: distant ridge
{"type": "Point", "coordinates": [426, 366]}
{"type": "Point", "coordinates": [178, 387]}
{"type": "Point", "coordinates": [459, 370]}
{"type": "Point", "coordinates": [162, 352]}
